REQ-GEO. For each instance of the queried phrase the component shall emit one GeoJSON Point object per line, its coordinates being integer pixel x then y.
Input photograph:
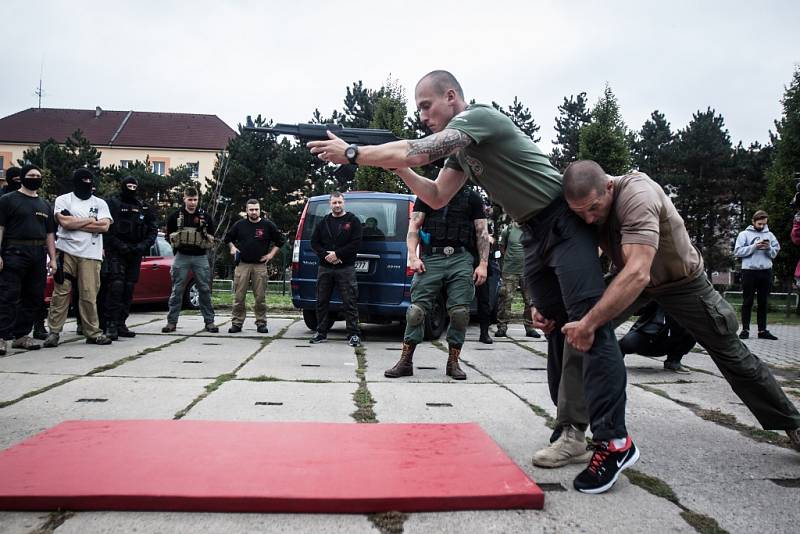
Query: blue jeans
{"type": "Point", "coordinates": [202, 277]}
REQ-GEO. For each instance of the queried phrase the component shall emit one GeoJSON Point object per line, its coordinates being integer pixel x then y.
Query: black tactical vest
{"type": "Point", "coordinates": [452, 225]}
{"type": "Point", "coordinates": [130, 220]}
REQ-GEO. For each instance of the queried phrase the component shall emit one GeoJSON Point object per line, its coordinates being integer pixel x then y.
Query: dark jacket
{"type": "Point", "coordinates": [345, 242]}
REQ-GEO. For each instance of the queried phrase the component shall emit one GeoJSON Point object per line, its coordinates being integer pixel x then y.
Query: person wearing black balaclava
{"type": "Point", "coordinates": [83, 219]}
{"type": "Point", "coordinates": [27, 230]}
{"type": "Point", "coordinates": [130, 237]}
{"type": "Point", "coordinates": [13, 180]}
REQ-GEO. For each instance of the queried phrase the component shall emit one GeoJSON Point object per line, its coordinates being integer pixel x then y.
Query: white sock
{"type": "Point", "coordinates": [619, 443]}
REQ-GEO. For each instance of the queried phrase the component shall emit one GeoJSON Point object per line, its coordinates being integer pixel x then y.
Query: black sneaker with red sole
{"type": "Point", "coordinates": [605, 466]}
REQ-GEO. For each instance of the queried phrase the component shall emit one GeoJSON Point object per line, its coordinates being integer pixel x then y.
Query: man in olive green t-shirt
{"type": "Point", "coordinates": [647, 241]}
{"type": "Point", "coordinates": [562, 269]}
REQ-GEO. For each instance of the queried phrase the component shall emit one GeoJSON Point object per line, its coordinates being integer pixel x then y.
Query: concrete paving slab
{"type": "Point", "coordinates": [14, 385]}
{"type": "Point", "coordinates": [191, 523]}
{"type": "Point", "coordinates": [294, 359]}
{"type": "Point", "coordinates": [78, 358]}
{"type": "Point", "coordinates": [187, 325]}
{"type": "Point", "coordinates": [21, 522]}
{"type": "Point", "coordinates": [299, 330]}
{"type": "Point", "coordinates": [429, 363]}
{"type": "Point", "coordinates": [195, 357]}
{"type": "Point", "coordinates": [506, 362]}
{"type": "Point", "coordinates": [242, 400]}
{"type": "Point", "coordinates": [126, 398]}
{"type": "Point", "coordinates": [274, 325]}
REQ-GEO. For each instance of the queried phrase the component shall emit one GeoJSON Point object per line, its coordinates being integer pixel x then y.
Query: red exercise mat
{"type": "Point", "coordinates": [221, 466]}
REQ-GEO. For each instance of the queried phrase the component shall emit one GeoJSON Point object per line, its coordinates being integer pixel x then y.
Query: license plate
{"type": "Point", "coordinates": [362, 266]}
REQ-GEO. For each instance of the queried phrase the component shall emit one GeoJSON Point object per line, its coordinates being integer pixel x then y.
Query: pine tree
{"type": "Point", "coordinates": [522, 117]}
{"type": "Point", "coordinates": [58, 162]}
{"type": "Point", "coordinates": [604, 140]}
{"type": "Point", "coordinates": [573, 115]}
{"type": "Point", "coordinates": [653, 146]}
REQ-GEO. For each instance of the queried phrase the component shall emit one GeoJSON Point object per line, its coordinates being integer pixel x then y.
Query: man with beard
{"type": "Point", "coordinates": [130, 237]}
{"type": "Point", "coordinates": [27, 235]}
{"type": "Point", "coordinates": [256, 240]}
{"type": "Point", "coordinates": [83, 219]}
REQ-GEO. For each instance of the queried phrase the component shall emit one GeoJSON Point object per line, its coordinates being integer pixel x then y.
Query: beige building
{"type": "Point", "coordinates": [169, 140]}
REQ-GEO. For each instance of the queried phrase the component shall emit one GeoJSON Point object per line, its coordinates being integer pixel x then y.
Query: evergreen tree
{"type": "Point", "coordinates": [573, 115]}
{"type": "Point", "coordinates": [782, 177]}
{"type": "Point", "coordinates": [701, 183]}
{"type": "Point", "coordinates": [749, 183]}
{"type": "Point", "coordinates": [652, 147]}
{"type": "Point", "coordinates": [522, 117]}
{"type": "Point", "coordinates": [604, 140]}
{"type": "Point", "coordinates": [59, 161]}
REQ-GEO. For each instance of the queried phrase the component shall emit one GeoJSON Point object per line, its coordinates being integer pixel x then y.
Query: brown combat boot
{"type": "Point", "coordinates": [404, 366]}
{"type": "Point", "coordinates": [453, 370]}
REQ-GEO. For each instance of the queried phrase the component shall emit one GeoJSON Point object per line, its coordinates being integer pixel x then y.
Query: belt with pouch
{"type": "Point", "coordinates": [25, 242]}
{"type": "Point", "coordinates": [445, 251]}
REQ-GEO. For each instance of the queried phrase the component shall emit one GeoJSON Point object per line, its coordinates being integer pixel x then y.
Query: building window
{"type": "Point", "coordinates": [194, 168]}
{"type": "Point", "coordinates": [125, 163]}
{"type": "Point", "coordinates": [2, 166]}
{"type": "Point", "coordinates": [159, 167]}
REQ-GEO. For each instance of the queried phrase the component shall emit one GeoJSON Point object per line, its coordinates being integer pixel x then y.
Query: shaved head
{"type": "Point", "coordinates": [583, 178]}
{"type": "Point", "coordinates": [442, 81]}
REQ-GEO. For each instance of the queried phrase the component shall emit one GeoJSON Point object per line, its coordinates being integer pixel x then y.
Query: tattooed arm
{"type": "Point", "coordinates": [482, 239]}
{"type": "Point", "coordinates": [403, 154]}
{"type": "Point", "coordinates": [412, 241]}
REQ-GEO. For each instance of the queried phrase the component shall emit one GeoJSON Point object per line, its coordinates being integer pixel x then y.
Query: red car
{"type": "Point", "coordinates": [155, 284]}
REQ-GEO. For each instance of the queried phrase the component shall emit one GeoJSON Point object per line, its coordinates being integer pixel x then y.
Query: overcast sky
{"type": "Point", "coordinates": [283, 59]}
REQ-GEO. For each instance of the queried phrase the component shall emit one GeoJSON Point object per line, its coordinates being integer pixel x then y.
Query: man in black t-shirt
{"type": "Point", "coordinates": [27, 234]}
{"type": "Point", "coordinates": [336, 239]}
{"type": "Point", "coordinates": [255, 240]}
{"type": "Point", "coordinates": [446, 238]}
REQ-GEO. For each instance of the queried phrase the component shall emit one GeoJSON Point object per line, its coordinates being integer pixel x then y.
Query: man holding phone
{"type": "Point", "coordinates": [757, 247]}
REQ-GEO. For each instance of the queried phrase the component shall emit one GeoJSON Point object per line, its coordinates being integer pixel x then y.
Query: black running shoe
{"type": "Point", "coordinates": [605, 466]}
{"type": "Point", "coordinates": [318, 338]}
{"type": "Point", "coordinates": [766, 334]}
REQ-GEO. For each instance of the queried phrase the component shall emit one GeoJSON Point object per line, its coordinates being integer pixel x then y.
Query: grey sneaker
{"type": "Point", "coordinates": [569, 448]}
{"type": "Point", "coordinates": [3, 347]}
{"type": "Point", "coordinates": [676, 367]}
{"type": "Point", "coordinates": [794, 438]}
{"type": "Point", "coordinates": [52, 340]}
{"type": "Point", "coordinates": [354, 341]}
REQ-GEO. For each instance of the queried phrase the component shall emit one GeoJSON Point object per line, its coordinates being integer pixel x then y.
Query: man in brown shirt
{"type": "Point", "coordinates": [647, 241]}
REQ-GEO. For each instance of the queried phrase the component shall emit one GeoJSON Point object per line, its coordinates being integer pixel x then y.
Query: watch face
{"type": "Point", "coordinates": [350, 153]}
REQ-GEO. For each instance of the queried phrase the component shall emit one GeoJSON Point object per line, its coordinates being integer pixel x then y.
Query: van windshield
{"type": "Point", "coordinates": [384, 219]}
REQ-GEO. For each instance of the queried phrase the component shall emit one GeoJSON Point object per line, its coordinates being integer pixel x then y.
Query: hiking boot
{"type": "Point", "coordinates": [79, 329]}
{"type": "Point", "coordinates": [123, 331]}
{"type": "Point", "coordinates": [99, 340]}
{"type": "Point", "coordinates": [354, 341]}
{"type": "Point", "coordinates": [676, 367]}
{"type": "Point", "coordinates": [453, 370]}
{"type": "Point", "coordinates": [744, 334]}
{"type": "Point", "coordinates": [39, 331]}
{"type": "Point", "coordinates": [211, 327]}
{"type": "Point", "coordinates": [484, 338]}
{"type": "Point", "coordinates": [405, 365]}
{"type": "Point", "coordinates": [605, 466]}
{"type": "Point", "coordinates": [318, 338]}
{"type": "Point", "coordinates": [3, 347]}
{"type": "Point", "coordinates": [169, 328]}
{"type": "Point", "coordinates": [766, 334]}
{"type": "Point", "coordinates": [531, 332]}
{"type": "Point", "coordinates": [51, 341]}
{"type": "Point", "coordinates": [794, 438]}
{"type": "Point", "coordinates": [568, 448]}
{"type": "Point", "coordinates": [235, 329]}
{"type": "Point", "coordinates": [501, 332]}
{"type": "Point", "coordinates": [111, 332]}
{"type": "Point", "coordinates": [262, 329]}
{"type": "Point", "coordinates": [25, 342]}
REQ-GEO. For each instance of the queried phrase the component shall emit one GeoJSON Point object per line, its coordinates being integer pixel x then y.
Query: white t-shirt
{"type": "Point", "coordinates": [77, 242]}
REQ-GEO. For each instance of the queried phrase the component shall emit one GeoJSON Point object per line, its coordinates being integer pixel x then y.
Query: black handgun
{"type": "Point", "coordinates": [318, 132]}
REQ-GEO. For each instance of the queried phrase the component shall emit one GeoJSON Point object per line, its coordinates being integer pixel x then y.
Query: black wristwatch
{"type": "Point", "coordinates": [351, 153]}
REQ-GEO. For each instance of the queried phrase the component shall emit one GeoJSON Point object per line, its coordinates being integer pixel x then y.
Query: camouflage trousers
{"type": "Point", "coordinates": [512, 283]}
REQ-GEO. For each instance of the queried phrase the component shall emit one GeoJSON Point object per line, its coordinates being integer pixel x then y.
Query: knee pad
{"type": "Point", "coordinates": [415, 315]}
{"type": "Point", "coordinates": [459, 317]}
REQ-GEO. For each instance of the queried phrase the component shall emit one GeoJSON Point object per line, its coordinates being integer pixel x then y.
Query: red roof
{"type": "Point", "coordinates": [117, 128]}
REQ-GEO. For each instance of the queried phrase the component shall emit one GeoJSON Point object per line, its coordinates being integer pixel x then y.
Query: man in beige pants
{"type": "Point", "coordinates": [255, 241]}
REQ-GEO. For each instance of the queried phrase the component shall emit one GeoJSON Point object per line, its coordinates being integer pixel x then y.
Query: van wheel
{"type": "Point", "coordinates": [436, 321]}
{"type": "Point", "coordinates": [310, 318]}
